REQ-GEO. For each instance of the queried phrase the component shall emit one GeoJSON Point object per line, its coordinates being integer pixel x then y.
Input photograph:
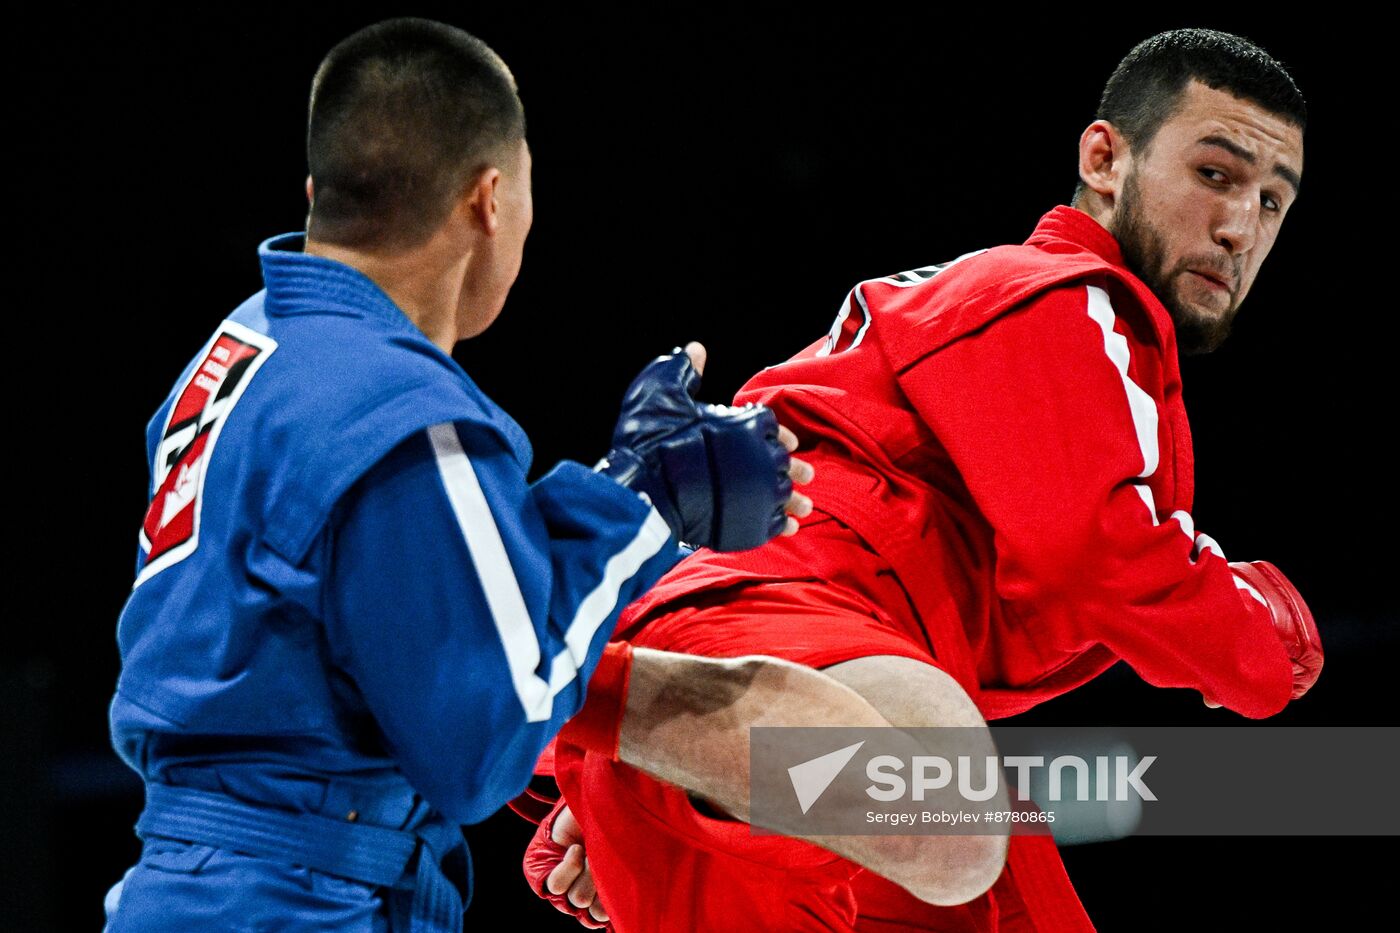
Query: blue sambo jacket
{"type": "Point", "coordinates": [349, 602]}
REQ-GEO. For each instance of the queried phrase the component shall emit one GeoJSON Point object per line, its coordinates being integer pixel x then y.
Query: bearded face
{"type": "Point", "coordinates": [1201, 204]}
{"type": "Point", "coordinates": [1200, 326]}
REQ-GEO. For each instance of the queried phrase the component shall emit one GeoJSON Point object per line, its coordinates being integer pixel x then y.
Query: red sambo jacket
{"type": "Point", "coordinates": [1006, 432]}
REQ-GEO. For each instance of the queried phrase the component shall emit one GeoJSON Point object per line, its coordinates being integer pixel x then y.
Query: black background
{"type": "Point", "coordinates": [700, 173]}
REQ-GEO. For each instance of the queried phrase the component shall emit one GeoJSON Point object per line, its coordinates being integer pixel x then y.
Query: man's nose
{"type": "Point", "coordinates": [1238, 225]}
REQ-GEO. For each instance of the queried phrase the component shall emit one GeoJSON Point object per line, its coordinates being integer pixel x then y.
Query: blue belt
{"type": "Point", "coordinates": [367, 854]}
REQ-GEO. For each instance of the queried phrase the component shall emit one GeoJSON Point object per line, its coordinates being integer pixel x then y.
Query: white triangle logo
{"type": "Point", "coordinates": [811, 778]}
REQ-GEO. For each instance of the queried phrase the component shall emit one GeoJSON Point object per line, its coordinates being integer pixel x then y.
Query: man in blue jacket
{"type": "Point", "coordinates": [355, 625]}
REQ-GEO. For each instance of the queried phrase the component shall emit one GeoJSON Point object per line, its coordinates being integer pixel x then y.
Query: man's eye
{"type": "Point", "coordinates": [1213, 174]}
{"type": "Point", "coordinates": [1271, 203]}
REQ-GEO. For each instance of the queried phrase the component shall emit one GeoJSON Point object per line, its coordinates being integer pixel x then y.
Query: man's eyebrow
{"type": "Point", "coordinates": [1244, 155]}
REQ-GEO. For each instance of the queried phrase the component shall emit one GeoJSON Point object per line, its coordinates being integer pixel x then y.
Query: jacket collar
{"type": "Point", "coordinates": [1064, 223]}
{"type": "Point", "coordinates": [298, 283]}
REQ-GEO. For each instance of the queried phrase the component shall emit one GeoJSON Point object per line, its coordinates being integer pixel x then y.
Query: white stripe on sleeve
{"type": "Point", "coordinates": [1205, 542]}
{"type": "Point", "coordinates": [1240, 584]}
{"type": "Point", "coordinates": [599, 604]}
{"type": "Point", "coordinates": [1144, 413]}
{"type": "Point", "coordinates": [1143, 408]}
{"type": "Point", "coordinates": [833, 337]}
{"type": "Point", "coordinates": [1145, 494]}
{"type": "Point", "coordinates": [864, 325]}
{"type": "Point", "coordinates": [503, 596]}
{"type": "Point", "coordinates": [488, 552]}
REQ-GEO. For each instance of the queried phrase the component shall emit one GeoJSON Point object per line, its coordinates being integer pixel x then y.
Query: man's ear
{"type": "Point", "coordinates": [1103, 160]}
{"type": "Point", "coordinates": [310, 191]}
{"type": "Point", "coordinates": [479, 201]}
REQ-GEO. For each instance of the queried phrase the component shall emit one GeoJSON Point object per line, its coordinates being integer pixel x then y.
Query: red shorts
{"type": "Point", "coordinates": [663, 865]}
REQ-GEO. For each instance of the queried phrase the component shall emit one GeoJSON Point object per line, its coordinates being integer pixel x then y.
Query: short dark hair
{"type": "Point", "coordinates": [403, 115]}
{"type": "Point", "coordinates": [1146, 88]}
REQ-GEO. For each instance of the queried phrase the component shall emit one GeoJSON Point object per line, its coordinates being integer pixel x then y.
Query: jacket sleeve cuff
{"type": "Point", "coordinates": [598, 726]}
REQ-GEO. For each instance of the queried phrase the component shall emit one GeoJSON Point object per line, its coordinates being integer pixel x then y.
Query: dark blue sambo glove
{"type": "Point", "coordinates": [718, 475]}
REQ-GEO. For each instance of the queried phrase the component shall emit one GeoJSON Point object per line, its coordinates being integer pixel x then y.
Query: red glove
{"type": "Point", "coordinates": [542, 856]}
{"type": "Point", "coordinates": [1292, 620]}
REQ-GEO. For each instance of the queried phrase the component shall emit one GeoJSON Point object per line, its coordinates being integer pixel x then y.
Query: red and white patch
{"type": "Point", "coordinates": [170, 531]}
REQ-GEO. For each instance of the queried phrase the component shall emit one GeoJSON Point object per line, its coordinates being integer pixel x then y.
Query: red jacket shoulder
{"type": "Point", "coordinates": [914, 321]}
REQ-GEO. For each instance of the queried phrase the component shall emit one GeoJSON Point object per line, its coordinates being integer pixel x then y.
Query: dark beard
{"type": "Point", "coordinates": [1145, 255]}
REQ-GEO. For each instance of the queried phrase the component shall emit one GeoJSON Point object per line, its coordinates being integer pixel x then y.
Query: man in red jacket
{"type": "Point", "coordinates": [1003, 509]}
